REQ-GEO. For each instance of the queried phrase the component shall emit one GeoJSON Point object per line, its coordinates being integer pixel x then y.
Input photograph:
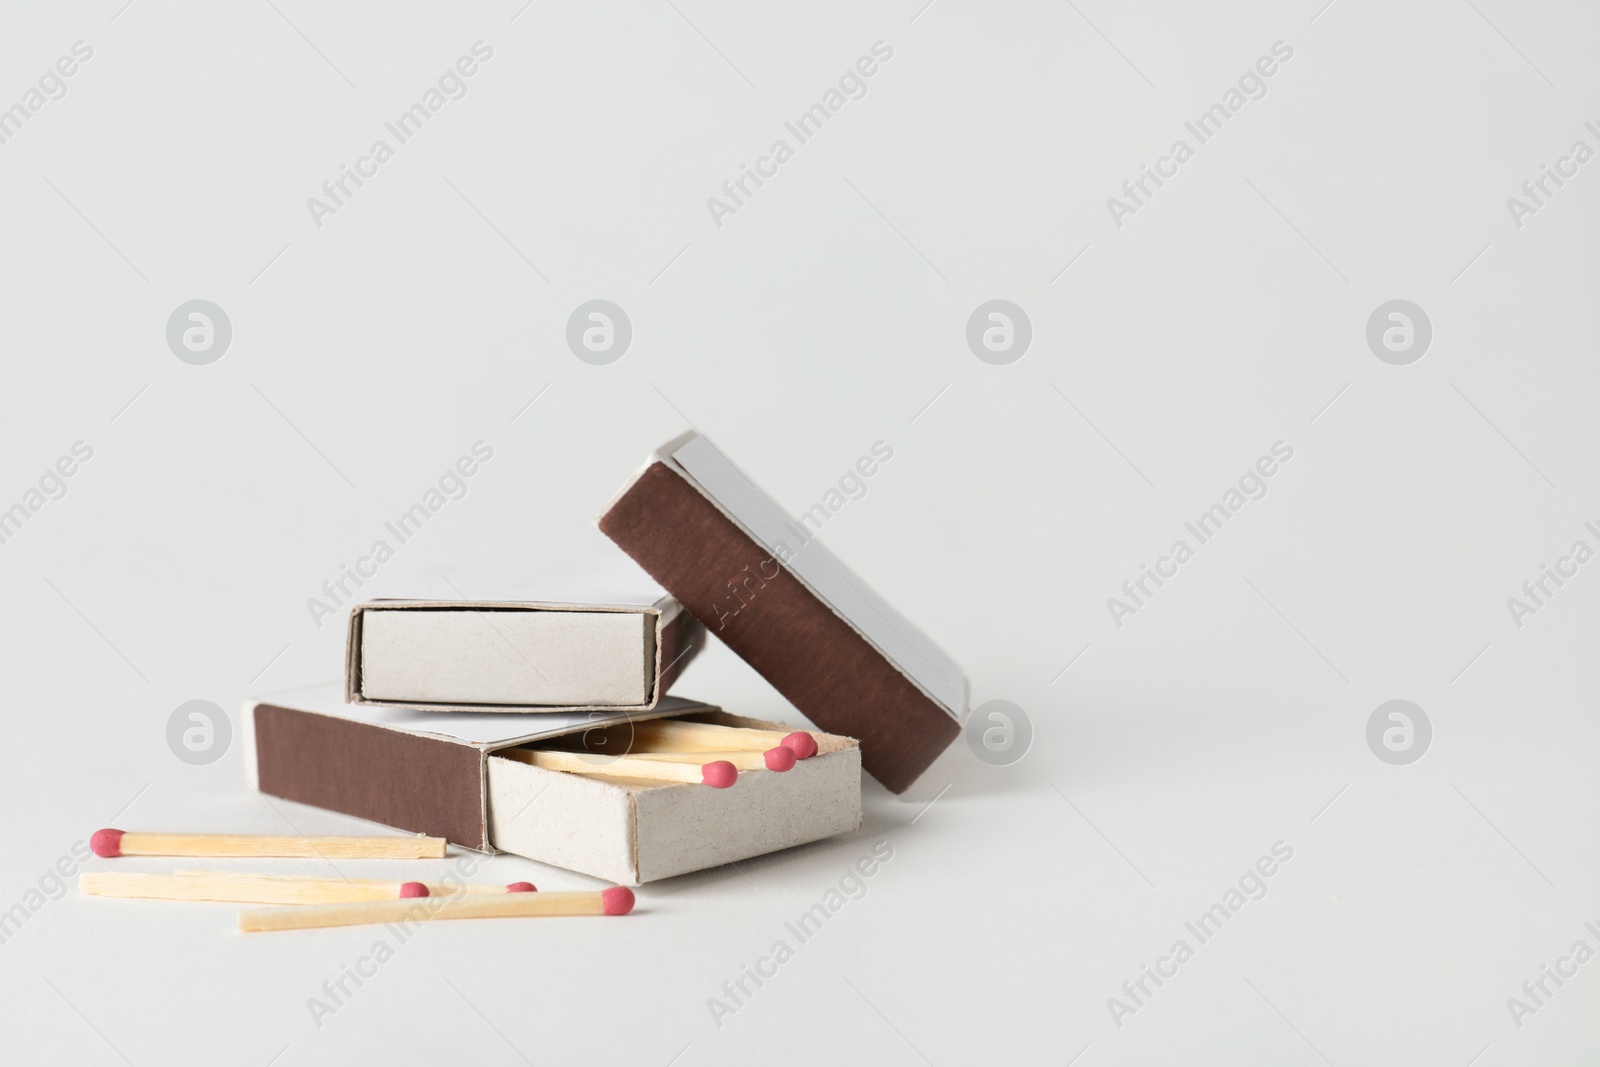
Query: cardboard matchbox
{"type": "Point", "coordinates": [771, 591]}
{"type": "Point", "coordinates": [616, 648]}
{"type": "Point", "coordinates": [447, 775]}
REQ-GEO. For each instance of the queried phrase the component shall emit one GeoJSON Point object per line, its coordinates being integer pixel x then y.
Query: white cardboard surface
{"type": "Point", "coordinates": [567, 820]}
{"type": "Point", "coordinates": [686, 828]}
{"type": "Point", "coordinates": [508, 656]}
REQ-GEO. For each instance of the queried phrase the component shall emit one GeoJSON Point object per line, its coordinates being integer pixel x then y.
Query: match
{"type": "Point", "coordinates": [773, 759]}
{"type": "Point", "coordinates": [718, 774]}
{"type": "Point", "coordinates": [674, 735]}
{"type": "Point", "coordinates": [614, 901]}
{"type": "Point", "coordinates": [268, 888]}
{"type": "Point", "coordinates": [108, 843]}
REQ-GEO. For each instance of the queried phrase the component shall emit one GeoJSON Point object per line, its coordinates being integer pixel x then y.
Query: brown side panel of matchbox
{"type": "Point", "coordinates": [681, 641]}
{"type": "Point", "coordinates": [814, 658]}
{"type": "Point", "coordinates": [409, 782]}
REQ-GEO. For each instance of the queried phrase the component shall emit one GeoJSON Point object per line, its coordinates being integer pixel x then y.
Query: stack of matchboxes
{"type": "Point", "coordinates": [532, 716]}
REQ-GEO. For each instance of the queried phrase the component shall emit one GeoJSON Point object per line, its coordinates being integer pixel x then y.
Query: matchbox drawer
{"type": "Point", "coordinates": [630, 832]}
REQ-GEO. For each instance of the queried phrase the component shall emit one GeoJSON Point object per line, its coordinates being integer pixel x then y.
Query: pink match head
{"type": "Point", "coordinates": [106, 843]}
{"type": "Point", "coordinates": [412, 889]}
{"type": "Point", "coordinates": [719, 774]}
{"type": "Point", "coordinates": [522, 887]}
{"type": "Point", "coordinates": [780, 758]}
{"type": "Point", "coordinates": [618, 900]}
{"type": "Point", "coordinates": [802, 744]}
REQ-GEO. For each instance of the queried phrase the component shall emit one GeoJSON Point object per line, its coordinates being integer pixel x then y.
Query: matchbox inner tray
{"type": "Point", "coordinates": [458, 775]}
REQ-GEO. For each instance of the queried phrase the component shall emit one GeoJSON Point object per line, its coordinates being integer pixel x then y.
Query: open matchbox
{"type": "Point", "coordinates": [455, 775]}
{"type": "Point", "coordinates": [617, 646]}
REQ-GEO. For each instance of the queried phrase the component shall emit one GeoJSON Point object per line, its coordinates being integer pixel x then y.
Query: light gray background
{"type": "Point", "coordinates": [830, 313]}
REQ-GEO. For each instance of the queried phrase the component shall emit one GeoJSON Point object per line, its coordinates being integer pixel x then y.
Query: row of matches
{"type": "Point", "coordinates": [321, 902]}
{"type": "Point", "coordinates": [672, 750]}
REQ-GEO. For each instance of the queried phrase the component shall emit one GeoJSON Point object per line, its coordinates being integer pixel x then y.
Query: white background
{"type": "Point", "coordinates": [827, 314]}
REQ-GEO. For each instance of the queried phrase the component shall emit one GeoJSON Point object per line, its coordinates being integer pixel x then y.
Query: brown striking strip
{"type": "Point", "coordinates": [412, 783]}
{"type": "Point", "coordinates": [761, 611]}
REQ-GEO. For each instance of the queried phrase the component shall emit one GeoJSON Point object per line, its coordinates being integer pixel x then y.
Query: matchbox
{"type": "Point", "coordinates": [771, 591]}
{"type": "Point", "coordinates": [483, 780]}
{"type": "Point", "coordinates": [616, 646]}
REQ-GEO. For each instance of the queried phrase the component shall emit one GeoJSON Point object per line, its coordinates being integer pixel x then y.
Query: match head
{"type": "Point", "coordinates": [802, 744]}
{"type": "Point", "coordinates": [522, 887]}
{"type": "Point", "coordinates": [780, 758]}
{"type": "Point", "coordinates": [412, 889]}
{"type": "Point", "coordinates": [719, 774]}
{"type": "Point", "coordinates": [618, 900]}
{"type": "Point", "coordinates": [106, 843]}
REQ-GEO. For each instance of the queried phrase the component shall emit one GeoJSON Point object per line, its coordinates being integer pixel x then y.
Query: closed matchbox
{"type": "Point", "coordinates": [771, 591]}
{"type": "Point", "coordinates": [599, 644]}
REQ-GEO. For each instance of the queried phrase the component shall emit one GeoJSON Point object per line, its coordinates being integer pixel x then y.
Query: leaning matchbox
{"type": "Point", "coordinates": [490, 781]}
{"type": "Point", "coordinates": [585, 642]}
{"type": "Point", "coordinates": [771, 591]}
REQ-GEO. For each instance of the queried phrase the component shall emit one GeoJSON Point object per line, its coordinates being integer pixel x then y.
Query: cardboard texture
{"type": "Point", "coordinates": [763, 584]}
{"type": "Point", "coordinates": [517, 655]}
{"type": "Point", "coordinates": [439, 774]}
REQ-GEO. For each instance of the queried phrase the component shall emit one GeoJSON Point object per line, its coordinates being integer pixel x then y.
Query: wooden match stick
{"type": "Point", "coordinates": [719, 774]}
{"type": "Point", "coordinates": [435, 888]}
{"type": "Point", "coordinates": [109, 843]}
{"type": "Point", "coordinates": [743, 761]}
{"type": "Point", "coordinates": [673, 735]}
{"type": "Point", "coordinates": [614, 901]}
{"type": "Point", "coordinates": [658, 767]}
{"type": "Point", "coordinates": [263, 888]}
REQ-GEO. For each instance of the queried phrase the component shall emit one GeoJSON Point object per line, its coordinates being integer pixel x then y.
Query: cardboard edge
{"type": "Point", "coordinates": [247, 743]}
{"type": "Point", "coordinates": [352, 656]}
{"type": "Point", "coordinates": [693, 642]}
{"type": "Point", "coordinates": [483, 801]}
{"type": "Point", "coordinates": [660, 455]}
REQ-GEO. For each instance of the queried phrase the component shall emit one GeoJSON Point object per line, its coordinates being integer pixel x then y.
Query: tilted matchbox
{"type": "Point", "coordinates": [762, 583]}
{"type": "Point", "coordinates": [457, 775]}
{"type": "Point", "coordinates": [586, 640]}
